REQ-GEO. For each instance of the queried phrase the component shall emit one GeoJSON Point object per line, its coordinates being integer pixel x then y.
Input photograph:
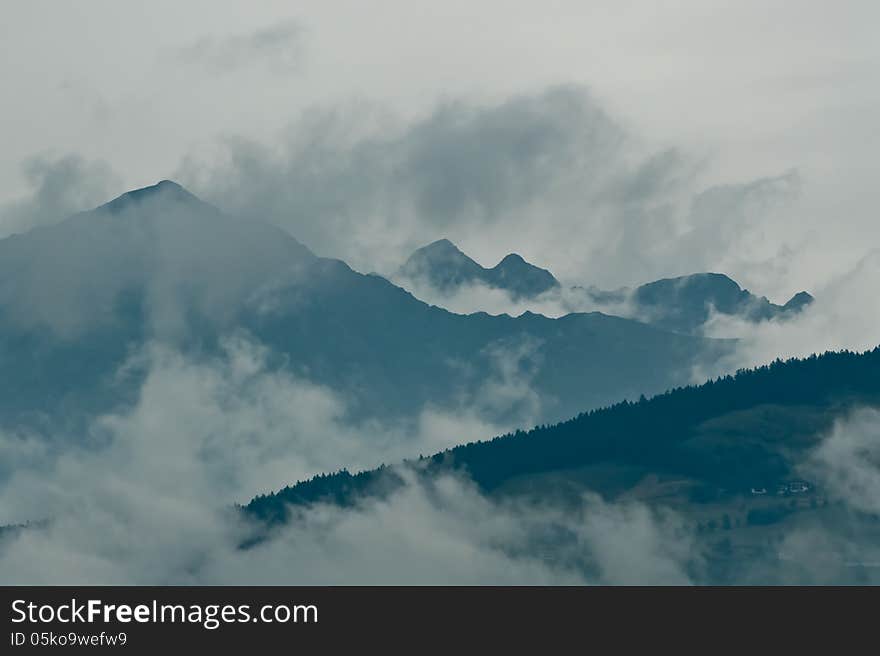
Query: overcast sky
{"type": "Point", "coordinates": [748, 89]}
{"type": "Point", "coordinates": [612, 141]}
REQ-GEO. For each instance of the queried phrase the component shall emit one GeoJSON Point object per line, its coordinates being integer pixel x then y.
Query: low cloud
{"type": "Point", "coordinates": [847, 462]}
{"type": "Point", "coordinates": [234, 423]}
{"type": "Point", "coordinates": [551, 175]}
{"type": "Point", "coordinates": [440, 531]}
{"type": "Point", "coordinates": [149, 502]}
{"type": "Point", "coordinates": [445, 532]}
{"type": "Point", "coordinates": [480, 297]}
{"type": "Point", "coordinates": [358, 184]}
{"type": "Point", "coordinates": [147, 496]}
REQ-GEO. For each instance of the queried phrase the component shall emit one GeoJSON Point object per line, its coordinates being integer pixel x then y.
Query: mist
{"type": "Point", "coordinates": [717, 137]}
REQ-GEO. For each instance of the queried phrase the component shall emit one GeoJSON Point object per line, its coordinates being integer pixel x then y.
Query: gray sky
{"type": "Point", "coordinates": [611, 141]}
{"type": "Point", "coordinates": [748, 90]}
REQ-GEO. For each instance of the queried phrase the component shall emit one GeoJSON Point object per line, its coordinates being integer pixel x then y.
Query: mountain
{"type": "Point", "coordinates": [78, 298]}
{"type": "Point", "coordinates": [681, 304]}
{"type": "Point", "coordinates": [685, 303]}
{"type": "Point", "coordinates": [443, 266]}
{"type": "Point", "coordinates": [160, 241]}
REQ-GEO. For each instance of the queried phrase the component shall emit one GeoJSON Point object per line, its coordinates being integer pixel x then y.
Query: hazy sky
{"type": "Point", "coordinates": [749, 89]}
{"type": "Point", "coordinates": [612, 141]}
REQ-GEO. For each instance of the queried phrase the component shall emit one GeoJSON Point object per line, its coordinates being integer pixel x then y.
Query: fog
{"type": "Point", "coordinates": [612, 145]}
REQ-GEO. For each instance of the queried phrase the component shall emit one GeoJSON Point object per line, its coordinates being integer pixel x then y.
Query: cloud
{"type": "Point", "coordinates": [146, 496]}
{"type": "Point", "coordinates": [367, 187]}
{"type": "Point", "coordinates": [131, 514]}
{"type": "Point", "coordinates": [443, 531]}
{"type": "Point", "coordinates": [480, 297]}
{"type": "Point", "coordinates": [279, 47]}
{"type": "Point", "coordinates": [551, 175]}
{"type": "Point", "coordinates": [440, 531]}
{"type": "Point", "coordinates": [58, 187]}
{"type": "Point", "coordinates": [847, 462]}
{"type": "Point", "coordinates": [239, 423]}
{"type": "Point", "coordinates": [743, 229]}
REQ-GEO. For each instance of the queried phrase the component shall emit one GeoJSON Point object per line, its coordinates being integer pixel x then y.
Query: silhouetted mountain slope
{"type": "Point", "coordinates": [79, 297]}
{"type": "Point", "coordinates": [726, 434]}
{"type": "Point", "coordinates": [443, 266]}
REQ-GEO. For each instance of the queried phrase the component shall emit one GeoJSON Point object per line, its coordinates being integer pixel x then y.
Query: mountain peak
{"type": "Point", "coordinates": [798, 302]}
{"type": "Point", "coordinates": [512, 259]}
{"type": "Point", "coordinates": [166, 190]}
{"type": "Point", "coordinates": [521, 278]}
{"type": "Point", "coordinates": [442, 264]}
{"type": "Point", "coordinates": [447, 268]}
{"type": "Point", "coordinates": [440, 243]}
{"type": "Point", "coordinates": [441, 247]}
{"type": "Point", "coordinates": [441, 250]}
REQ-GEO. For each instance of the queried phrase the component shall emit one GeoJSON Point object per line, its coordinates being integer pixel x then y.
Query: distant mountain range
{"type": "Point", "coordinates": [79, 297]}
{"type": "Point", "coordinates": [681, 304]}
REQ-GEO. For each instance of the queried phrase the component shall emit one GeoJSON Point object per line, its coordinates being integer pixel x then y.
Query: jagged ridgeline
{"type": "Point", "coordinates": [724, 436]}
